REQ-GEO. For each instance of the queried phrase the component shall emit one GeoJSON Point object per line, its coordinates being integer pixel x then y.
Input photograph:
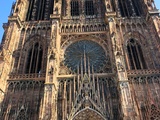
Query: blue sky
{"type": "Point", "coordinates": [5, 8]}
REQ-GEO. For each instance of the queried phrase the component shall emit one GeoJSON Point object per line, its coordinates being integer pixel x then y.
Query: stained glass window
{"type": "Point", "coordinates": [85, 55]}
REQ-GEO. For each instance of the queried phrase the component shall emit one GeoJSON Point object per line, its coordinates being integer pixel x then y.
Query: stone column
{"type": "Point", "coordinates": [49, 107]}
{"type": "Point", "coordinates": [124, 88]}
{"type": "Point", "coordinates": [117, 8]}
{"type": "Point", "coordinates": [68, 8]}
{"type": "Point", "coordinates": [34, 11]}
{"type": "Point", "coordinates": [156, 21]}
{"type": "Point", "coordinates": [133, 10]}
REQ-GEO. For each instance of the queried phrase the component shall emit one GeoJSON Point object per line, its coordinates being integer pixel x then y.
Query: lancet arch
{"type": "Point", "coordinates": [34, 52]}
{"type": "Point", "coordinates": [135, 55]}
{"type": "Point", "coordinates": [134, 47]}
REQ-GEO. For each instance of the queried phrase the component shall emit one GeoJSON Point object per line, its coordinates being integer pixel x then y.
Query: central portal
{"type": "Point", "coordinates": [89, 92]}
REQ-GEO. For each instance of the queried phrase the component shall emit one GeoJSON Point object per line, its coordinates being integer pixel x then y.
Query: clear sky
{"type": "Point", "coordinates": [5, 8]}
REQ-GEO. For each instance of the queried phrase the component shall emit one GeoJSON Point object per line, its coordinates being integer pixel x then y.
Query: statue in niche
{"type": "Point", "coordinates": [51, 64]}
{"type": "Point", "coordinates": [113, 39]}
{"type": "Point", "coordinates": [56, 10]}
{"type": "Point", "coordinates": [116, 47]}
{"type": "Point", "coordinates": [82, 18]}
{"type": "Point", "coordinates": [150, 4]}
{"type": "Point", "coordinates": [54, 33]}
{"type": "Point", "coordinates": [12, 9]}
{"type": "Point", "coordinates": [113, 36]}
{"type": "Point", "coordinates": [108, 8]}
{"type": "Point", "coordinates": [120, 66]}
{"type": "Point", "coordinates": [18, 9]}
{"type": "Point", "coordinates": [50, 71]}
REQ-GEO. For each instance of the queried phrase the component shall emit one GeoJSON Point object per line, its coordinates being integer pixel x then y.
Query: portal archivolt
{"type": "Point", "coordinates": [88, 114]}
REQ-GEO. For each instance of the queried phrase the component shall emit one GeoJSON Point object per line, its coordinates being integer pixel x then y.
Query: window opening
{"type": "Point", "coordinates": [89, 8]}
{"type": "Point", "coordinates": [34, 60]}
{"type": "Point", "coordinates": [135, 55]}
{"type": "Point", "coordinates": [74, 8]}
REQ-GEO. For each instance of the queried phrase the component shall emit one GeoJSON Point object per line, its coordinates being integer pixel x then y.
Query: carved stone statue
{"type": "Point", "coordinates": [120, 66]}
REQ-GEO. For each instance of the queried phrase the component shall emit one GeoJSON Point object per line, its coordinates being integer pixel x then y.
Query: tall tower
{"type": "Point", "coordinates": [81, 60]}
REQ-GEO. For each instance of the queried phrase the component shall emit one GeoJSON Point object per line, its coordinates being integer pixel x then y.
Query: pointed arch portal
{"type": "Point", "coordinates": [88, 114]}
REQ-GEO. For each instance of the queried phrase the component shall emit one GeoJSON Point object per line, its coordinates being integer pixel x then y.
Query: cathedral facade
{"type": "Point", "coordinates": [81, 60]}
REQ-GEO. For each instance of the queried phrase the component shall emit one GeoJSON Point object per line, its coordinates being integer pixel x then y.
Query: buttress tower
{"type": "Point", "coordinates": [81, 60]}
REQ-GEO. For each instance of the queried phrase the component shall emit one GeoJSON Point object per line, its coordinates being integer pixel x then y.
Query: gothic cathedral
{"type": "Point", "coordinates": [81, 60]}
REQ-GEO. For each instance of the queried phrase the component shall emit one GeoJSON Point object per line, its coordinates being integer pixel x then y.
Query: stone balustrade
{"type": "Point", "coordinates": [143, 72]}
{"type": "Point", "coordinates": [133, 20]}
{"type": "Point", "coordinates": [83, 28]}
{"type": "Point", "coordinates": [33, 76]}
